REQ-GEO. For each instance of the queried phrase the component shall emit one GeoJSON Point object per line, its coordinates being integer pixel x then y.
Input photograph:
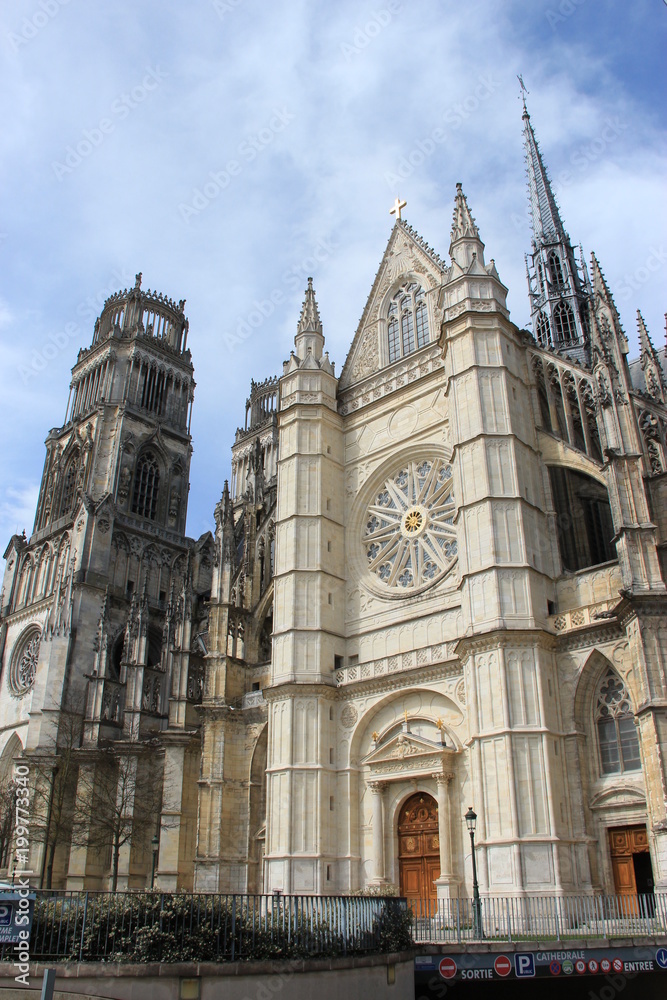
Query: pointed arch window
{"type": "Point", "coordinates": [407, 316]}
{"type": "Point", "coordinates": [556, 270]}
{"type": "Point", "coordinates": [616, 729]}
{"type": "Point", "coordinates": [69, 485]}
{"type": "Point", "coordinates": [564, 321]}
{"type": "Point", "coordinates": [146, 485]}
{"type": "Point", "coordinates": [543, 330]}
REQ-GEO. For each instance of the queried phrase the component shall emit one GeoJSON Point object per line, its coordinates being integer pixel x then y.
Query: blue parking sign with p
{"type": "Point", "coordinates": [524, 965]}
{"type": "Point", "coordinates": [5, 915]}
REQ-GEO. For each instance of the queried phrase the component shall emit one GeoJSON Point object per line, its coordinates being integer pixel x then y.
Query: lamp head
{"type": "Point", "coordinates": [471, 819]}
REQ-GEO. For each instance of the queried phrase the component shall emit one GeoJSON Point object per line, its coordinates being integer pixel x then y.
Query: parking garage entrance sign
{"type": "Point", "coordinates": [432, 972]}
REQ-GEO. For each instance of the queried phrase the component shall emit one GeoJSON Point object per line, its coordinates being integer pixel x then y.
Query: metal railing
{"type": "Point", "coordinates": [536, 918]}
{"type": "Point", "coordinates": [171, 927]}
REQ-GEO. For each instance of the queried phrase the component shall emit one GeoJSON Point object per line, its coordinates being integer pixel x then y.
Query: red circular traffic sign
{"type": "Point", "coordinates": [447, 968]}
{"type": "Point", "coordinates": [593, 965]}
{"type": "Point", "coordinates": [502, 965]}
{"type": "Point", "coordinates": [605, 964]}
{"type": "Point", "coordinates": [617, 965]}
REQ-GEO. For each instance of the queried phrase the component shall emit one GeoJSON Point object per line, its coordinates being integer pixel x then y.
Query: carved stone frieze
{"type": "Point", "coordinates": [387, 381]}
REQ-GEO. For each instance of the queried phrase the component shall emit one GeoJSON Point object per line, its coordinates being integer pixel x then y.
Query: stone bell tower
{"type": "Point", "coordinates": [96, 600]}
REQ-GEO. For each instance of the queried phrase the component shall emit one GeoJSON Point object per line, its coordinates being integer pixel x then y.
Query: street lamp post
{"type": "Point", "coordinates": [155, 843]}
{"type": "Point", "coordinates": [471, 820]}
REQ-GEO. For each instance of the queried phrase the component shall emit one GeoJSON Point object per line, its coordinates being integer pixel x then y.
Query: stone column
{"type": "Point", "coordinates": [377, 789]}
{"type": "Point", "coordinates": [446, 884]}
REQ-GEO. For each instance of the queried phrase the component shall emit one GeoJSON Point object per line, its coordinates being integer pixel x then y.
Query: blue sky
{"type": "Point", "coordinates": [319, 107]}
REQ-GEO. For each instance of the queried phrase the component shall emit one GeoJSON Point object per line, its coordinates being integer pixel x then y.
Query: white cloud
{"type": "Point", "coordinates": [356, 116]}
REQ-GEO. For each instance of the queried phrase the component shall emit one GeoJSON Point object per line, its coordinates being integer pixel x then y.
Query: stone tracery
{"type": "Point", "coordinates": [409, 535]}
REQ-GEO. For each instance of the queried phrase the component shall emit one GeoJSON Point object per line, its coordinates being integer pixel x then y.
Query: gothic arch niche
{"type": "Point", "coordinates": [617, 811]}
{"type": "Point", "coordinates": [68, 492]}
{"type": "Point", "coordinates": [257, 814]}
{"type": "Point", "coordinates": [25, 581]}
{"type": "Point", "coordinates": [418, 846]}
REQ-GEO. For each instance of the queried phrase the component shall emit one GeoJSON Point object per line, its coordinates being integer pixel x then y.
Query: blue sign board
{"type": "Point", "coordinates": [16, 912]}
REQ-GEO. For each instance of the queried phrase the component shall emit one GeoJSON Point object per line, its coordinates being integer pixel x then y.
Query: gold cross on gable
{"type": "Point", "coordinates": [396, 210]}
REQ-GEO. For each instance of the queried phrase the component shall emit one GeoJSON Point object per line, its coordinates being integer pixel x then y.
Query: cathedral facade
{"type": "Point", "coordinates": [437, 580]}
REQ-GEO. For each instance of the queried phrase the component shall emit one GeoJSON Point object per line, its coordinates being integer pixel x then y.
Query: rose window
{"type": "Point", "coordinates": [408, 535]}
{"type": "Point", "coordinates": [24, 663]}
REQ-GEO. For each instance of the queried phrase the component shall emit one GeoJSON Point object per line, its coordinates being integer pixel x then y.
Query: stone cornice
{"type": "Point", "coordinates": [653, 605]}
{"type": "Point", "coordinates": [591, 636]}
{"type": "Point", "coordinates": [502, 638]}
{"type": "Point", "coordinates": [399, 680]}
{"type": "Point", "coordinates": [291, 689]}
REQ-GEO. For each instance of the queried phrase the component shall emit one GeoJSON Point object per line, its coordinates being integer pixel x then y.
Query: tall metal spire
{"type": "Point", "coordinates": [547, 223]}
{"type": "Point", "coordinates": [559, 293]}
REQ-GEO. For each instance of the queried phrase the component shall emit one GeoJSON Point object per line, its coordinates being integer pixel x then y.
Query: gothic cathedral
{"type": "Point", "coordinates": [437, 580]}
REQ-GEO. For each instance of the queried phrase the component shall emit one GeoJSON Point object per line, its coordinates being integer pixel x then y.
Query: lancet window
{"type": "Point", "coordinates": [556, 270]}
{"type": "Point", "coordinates": [564, 321]}
{"type": "Point", "coordinates": [69, 485]}
{"type": "Point", "coordinates": [616, 729]}
{"type": "Point", "coordinates": [407, 321]}
{"type": "Point", "coordinates": [146, 486]}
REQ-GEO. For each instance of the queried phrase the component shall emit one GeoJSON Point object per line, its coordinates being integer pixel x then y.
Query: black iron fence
{"type": "Point", "coordinates": [178, 927]}
{"type": "Point", "coordinates": [540, 918]}
{"type": "Point", "coordinates": [175, 927]}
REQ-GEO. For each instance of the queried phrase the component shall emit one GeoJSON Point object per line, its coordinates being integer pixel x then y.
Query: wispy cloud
{"type": "Point", "coordinates": [364, 83]}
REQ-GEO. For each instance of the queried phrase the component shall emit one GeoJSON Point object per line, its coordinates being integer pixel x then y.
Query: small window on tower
{"type": "Point", "coordinates": [146, 483]}
{"type": "Point", "coordinates": [69, 485]}
{"type": "Point", "coordinates": [556, 270]}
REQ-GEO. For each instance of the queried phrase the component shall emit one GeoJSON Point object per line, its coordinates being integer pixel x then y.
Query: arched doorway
{"type": "Point", "coordinates": [418, 846]}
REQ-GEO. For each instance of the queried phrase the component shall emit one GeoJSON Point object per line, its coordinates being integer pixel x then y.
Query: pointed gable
{"type": "Point", "coordinates": [407, 258]}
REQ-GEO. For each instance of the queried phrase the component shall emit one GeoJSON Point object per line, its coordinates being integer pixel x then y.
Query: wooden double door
{"type": "Point", "coordinates": [630, 860]}
{"type": "Point", "coordinates": [418, 847]}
